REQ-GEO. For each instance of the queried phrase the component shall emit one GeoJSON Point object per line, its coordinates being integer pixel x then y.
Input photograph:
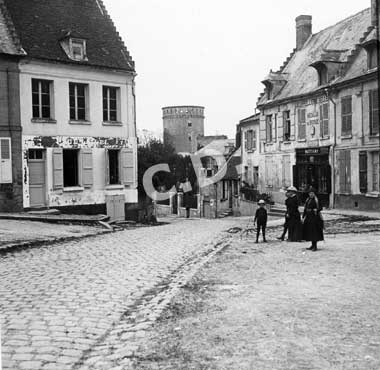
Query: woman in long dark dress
{"type": "Point", "coordinates": [313, 223]}
{"type": "Point", "coordinates": [294, 217]}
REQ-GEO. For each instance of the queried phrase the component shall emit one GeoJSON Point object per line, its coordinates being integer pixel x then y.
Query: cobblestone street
{"type": "Point", "coordinates": [58, 302]}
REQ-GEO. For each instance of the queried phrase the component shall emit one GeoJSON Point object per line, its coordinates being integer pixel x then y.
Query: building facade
{"type": "Point", "coordinates": [74, 102]}
{"type": "Point", "coordinates": [182, 127]}
{"type": "Point", "coordinates": [319, 117]}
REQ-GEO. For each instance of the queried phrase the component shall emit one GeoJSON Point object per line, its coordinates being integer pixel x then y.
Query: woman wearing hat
{"type": "Point", "coordinates": [312, 220]}
{"type": "Point", "coordinates": [292, 217]}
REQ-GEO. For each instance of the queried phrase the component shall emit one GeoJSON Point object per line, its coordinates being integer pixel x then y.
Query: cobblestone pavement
{"type": "Point", "coordinates": [64, 302]}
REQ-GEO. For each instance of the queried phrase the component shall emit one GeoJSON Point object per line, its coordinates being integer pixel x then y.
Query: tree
{"type": "Point", "coordinates": [155, 152]}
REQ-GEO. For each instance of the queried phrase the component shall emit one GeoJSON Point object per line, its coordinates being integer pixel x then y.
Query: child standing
{"type": "Point", "coordinates": [261, 218]}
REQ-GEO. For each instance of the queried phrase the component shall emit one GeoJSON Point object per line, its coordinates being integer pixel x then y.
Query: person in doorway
{"type": "Point", "coordinates": [312, 220]}
{"type": "Point", "coordinates": [261, 218]}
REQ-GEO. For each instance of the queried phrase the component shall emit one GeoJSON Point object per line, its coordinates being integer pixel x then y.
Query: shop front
{"type": "Point", "coordinates": [313, 168]}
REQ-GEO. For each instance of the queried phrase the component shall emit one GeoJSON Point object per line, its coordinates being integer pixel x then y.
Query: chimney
{"type": "Point", "coordinates": [304, 29]}
{"type": "Point", "coordinates": [375, 10]}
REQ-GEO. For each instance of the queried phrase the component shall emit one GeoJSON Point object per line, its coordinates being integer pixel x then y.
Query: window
{"type": "Point", "coordinates": [301, 124]}
{"type": "Point", "coordinates": [70, 167]}
{"type": "Point", "coordinates": [346, 103]}
{"type": "Point", "coordinates": [324, 119]}
{"type": "Point", "coordinates": [5, 161]}
{"type": "Point", "coordinates": [78, 49]}
{"type": "Point", "coordinates": [269, 126]}
{"type": "Point", "coordinates": [374, 112]}
{"type": "Point", "coordinates": [255, 176]}
{"type": "Point", "coordinates": [77, 94]}
{"type": "Point", "coordinates": [41, 99]}
{"type": "Point", "coordinates": [286, 125]}
{"type": "Point", "coordinates": [323, 74]}
{"type": "Point", "coordinates": [372, 54]}
{"type": "Point", "coordinates": [114, 166]}
{"type": "Point", "coordinates": [35, 154]}
{"type": "Point", "coordinates": [363, 172]}
{"type": "Point", "coordinates": [250, 140]}
{"type": "Point", "coordinates": [110, 104]}
{"type": "Point", "coordinates": [275, 128]}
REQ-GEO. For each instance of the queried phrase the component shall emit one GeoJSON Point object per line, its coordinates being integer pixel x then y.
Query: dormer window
{"type": "Point", "coordinates": [322, 71]}
{"type": "Point", "coordinates": [74, 47]}
{"type": "Point", "coordinates": [372, 55]}
{"type": "Point", "coordinates": [78, 49]}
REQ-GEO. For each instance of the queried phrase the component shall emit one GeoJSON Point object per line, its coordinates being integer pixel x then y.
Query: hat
{"type": "Point", "coordinates": [261, 201]}
{"type": "Point", "coordinates": [292, 188]}
{"type": "Point", "coordinates": [311, 190]}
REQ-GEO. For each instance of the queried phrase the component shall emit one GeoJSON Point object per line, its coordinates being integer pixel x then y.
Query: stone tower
{"type": "Point", "coordinates": [182, 126]}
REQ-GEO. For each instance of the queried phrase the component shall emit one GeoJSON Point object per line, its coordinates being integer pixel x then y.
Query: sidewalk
{"type": "Point", "coordinates": [19, 233]}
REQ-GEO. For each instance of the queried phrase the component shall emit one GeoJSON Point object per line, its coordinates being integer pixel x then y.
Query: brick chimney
{"type": "Point", "coordinates": [304, 29]}
{"type": "Point", "coordinates": [375, 10]}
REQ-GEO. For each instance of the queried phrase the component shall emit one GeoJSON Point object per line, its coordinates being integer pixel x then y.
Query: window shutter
{"type": "Point", "coordinates": [348, 171]}
{"type": "Point", "coordinates": [254, 140]}
{"type": "Point", "coordinates": [342, 171]}
{"type": "Point", "coordinates": [246, 140]}
{"type": "Point", "coordinates": [57, 168]}
{"type": "Point", "coordinates": [128, 166]}
{"type": "Point", "coordinates": [87, 168]}
{"type": "Point", "coordinates": [363, 172]}
{"type": "Point", "coordinates": [5, 161]}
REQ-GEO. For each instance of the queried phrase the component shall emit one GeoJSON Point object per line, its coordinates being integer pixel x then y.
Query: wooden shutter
{"type": "Point", "coordinates": [246, 140]}
{"type": "Point", "coordinates": [57, 168]}
{"type": "Point", "coordinates": [363, 172]}
{"type": "Point", "coordinates": [87, 168]}
{"type": "Point", "coordinates": [348, 171]}
{"type": "Point", "coordinates": [5, 161]}
{"type": "Point", "coordinates": [128, 166]}
{"type": "Point", "coordinates": [254, 140]}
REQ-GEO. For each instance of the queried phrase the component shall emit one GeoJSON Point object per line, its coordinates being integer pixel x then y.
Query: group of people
{"type": "Point", "coordinates": [309, 227]}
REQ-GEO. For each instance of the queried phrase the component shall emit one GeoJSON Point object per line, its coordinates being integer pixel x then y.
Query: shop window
{"type": "Point", "coordinates": [5, 161]}
{"type": "Point", "coordinates": [324, 119]}
{"type": "Point", "coordinates": [269, 128]}
{"type": "Point", "coordinates": [114, 166]}
{"type": "Point", "coordinates": [374, 111]}
{"type": "Point", "coordinates": [111, 104]}
{"type": "Point", "coordinates": [70, 167]}
{"type": "Point", "coordinates": [286, 125]}
{"type": "Point", "coordinates": [77, 95]}
{"type": "Point", "coordinates": [346, 104]}
{"type": "Point", "coordinates": [301, 124]}
{"type": "Point", "coordinates": [42, 99]}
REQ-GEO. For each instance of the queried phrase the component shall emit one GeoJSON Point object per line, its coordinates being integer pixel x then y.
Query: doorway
{"type": "Point", "coordinates": [37, 177]}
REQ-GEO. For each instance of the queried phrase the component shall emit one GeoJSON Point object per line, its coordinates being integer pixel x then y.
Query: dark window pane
{"type": "Point", "coordinates": [80, 90]}
{"type": "Point", "coordinates": [35, 99]}
{"type": "Point", "coordinates": [72, 101]}
{"type": "Point", "coordinates": [113, 104]}
{"type": "Point", "coordinates": [45, 87]}
{"type": "Point", "coordinates": [72, 113]}
{"type": "Point", "coordinates": [113, 157]}
{"type": "Point", "coordinates": [71, 88]}
{"type": "Point", "coordinates": [113, 115]}
{"type": "Point", "coordinates": [35, 86]}
{"type": "Point", "coordinates": [45, 112]}
{"type": "Point", "coordinates": [81, 114]}
{"type": "Point", "coordinates": [113, 93]}
{"type": "Point", "coordinates": [36, 111]}
{"type": "Point", "coordinates": [70, 168]}
{"type": "Point", "coordinates": [81, 102]}
{"type": "Point", "coordinates": [105, 115]}
{"type": "Point", "coordinates": [45, 99]}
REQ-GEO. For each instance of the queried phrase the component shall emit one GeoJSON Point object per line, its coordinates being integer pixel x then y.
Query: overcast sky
{"type": "Point", "coordinates": [212, 53]}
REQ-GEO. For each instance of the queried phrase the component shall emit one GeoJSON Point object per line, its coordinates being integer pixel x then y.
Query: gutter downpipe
{"type": "Point", "coordinates": [333, 180]}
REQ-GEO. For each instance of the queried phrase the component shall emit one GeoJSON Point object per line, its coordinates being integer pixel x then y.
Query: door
{"type": "Point", "coordinates": [37, 177]}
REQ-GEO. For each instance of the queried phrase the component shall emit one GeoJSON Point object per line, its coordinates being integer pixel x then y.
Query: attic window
{"type": "Point", "coordinates": [372, 54]}
{"type": "Point", "coordinates": [78, 49]}
{"type": "Point", "coordinates": [322, 73]}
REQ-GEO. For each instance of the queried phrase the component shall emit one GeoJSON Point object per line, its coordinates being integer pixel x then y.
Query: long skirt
{"type": "Point", "coordinates": [294, 228]}
{"type": "Point", "coordinates": [313, 228]}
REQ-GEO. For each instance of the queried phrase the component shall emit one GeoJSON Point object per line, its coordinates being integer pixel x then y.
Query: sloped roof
{"type": "Point", "coordinates": [336, 44]}
{"type": "Point", "coordinates": [41, 24]}
{"type": "Point", "coordinates": [250, 120]}
{"type": "Point", "coordinates": [222, 146]}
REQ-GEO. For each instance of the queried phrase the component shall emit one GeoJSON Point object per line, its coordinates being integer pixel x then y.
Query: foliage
{"type": "Point", "coordinates": [155, 152]}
